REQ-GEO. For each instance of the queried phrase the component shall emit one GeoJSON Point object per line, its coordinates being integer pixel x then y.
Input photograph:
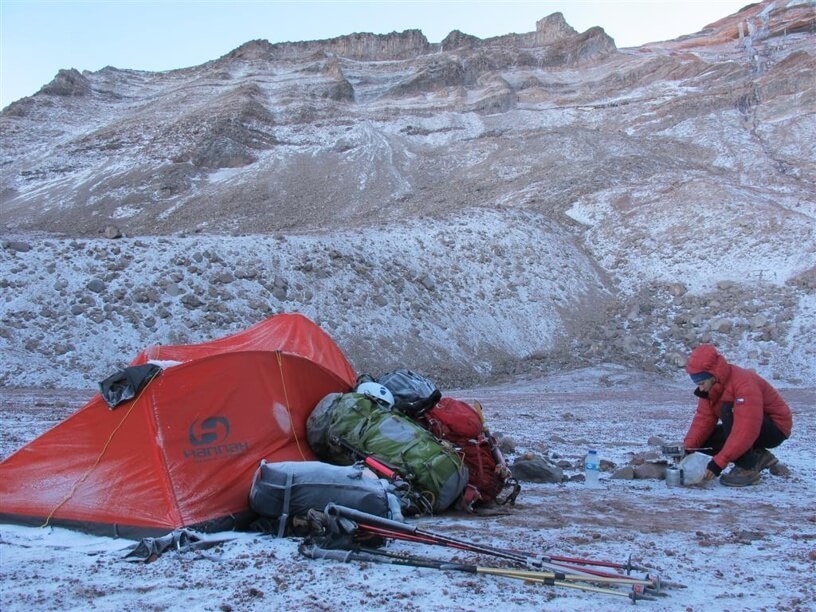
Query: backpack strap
{"type": "Point", "coordinates": [287, 497]}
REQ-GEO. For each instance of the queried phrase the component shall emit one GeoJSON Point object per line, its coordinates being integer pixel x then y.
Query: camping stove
{"type": "Point", "coordinates": [678, 451]}
{"type": "Point", "coordinates": [674, 473]}
{"type": "Point", "coordinates": [675, 451]}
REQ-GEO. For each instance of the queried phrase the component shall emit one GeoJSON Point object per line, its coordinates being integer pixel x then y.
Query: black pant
{"type": "Point", "coordinates": [769, 437]}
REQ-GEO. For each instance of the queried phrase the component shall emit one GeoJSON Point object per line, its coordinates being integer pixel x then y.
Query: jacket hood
{"type": "Point", "coordinates": [705, 358]}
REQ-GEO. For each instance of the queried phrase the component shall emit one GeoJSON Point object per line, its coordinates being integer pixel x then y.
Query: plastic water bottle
{"type": "Point", "coordinates": [592, 468]}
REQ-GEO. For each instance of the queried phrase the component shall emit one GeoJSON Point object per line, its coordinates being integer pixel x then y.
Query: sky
{"type": "Point", "coordinates": [40, 37]}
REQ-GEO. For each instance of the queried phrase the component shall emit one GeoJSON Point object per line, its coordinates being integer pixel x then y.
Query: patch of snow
{"type": "Point", "coordinates": [223, 175]}
{"type": "Point", "coordinates": [124, 212]}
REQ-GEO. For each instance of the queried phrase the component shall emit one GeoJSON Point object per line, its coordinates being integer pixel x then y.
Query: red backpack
{"type": "Point", "coordinates": [463, 426]}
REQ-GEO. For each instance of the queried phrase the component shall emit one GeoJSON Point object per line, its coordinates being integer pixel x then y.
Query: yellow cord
{"type": "Point", "coordinates": [288, 411]}
{"type": "Point", "coordinates": [99, 458]}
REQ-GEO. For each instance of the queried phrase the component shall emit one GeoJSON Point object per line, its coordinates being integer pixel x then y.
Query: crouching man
{"type": "Point", "coordinates": [739, 416]}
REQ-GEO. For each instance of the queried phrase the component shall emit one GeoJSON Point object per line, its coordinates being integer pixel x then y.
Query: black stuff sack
{"type": "Point", "coordinates": [414, 394]}
{"type": "Point", "coordinates": [126, 383]}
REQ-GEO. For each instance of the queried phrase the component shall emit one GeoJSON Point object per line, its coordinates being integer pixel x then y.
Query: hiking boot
{"type": "Point", "coordinates": [739, 477]}
{"type": "Point", "coordinates": [765, 459]}
{"type": "Point", "coordinates": [780, 469]}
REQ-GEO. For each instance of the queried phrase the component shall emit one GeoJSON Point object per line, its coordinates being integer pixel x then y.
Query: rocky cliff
{"type": "Point", "coordinates": [472, 208]}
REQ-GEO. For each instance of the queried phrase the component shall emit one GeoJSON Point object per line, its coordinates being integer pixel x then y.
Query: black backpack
{"type": "Point", "coordinates": [413, 393]}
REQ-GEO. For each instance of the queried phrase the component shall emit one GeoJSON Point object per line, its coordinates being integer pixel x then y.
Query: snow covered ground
{"type": "Point", "coordinates": [735, 549]}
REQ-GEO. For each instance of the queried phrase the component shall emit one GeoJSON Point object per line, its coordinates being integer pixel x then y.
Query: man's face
{"type": "Point", "coordinates": [706, 385]}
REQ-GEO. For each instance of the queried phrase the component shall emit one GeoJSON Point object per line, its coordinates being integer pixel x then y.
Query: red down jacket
{"type": "Point", "coordinates": [751, 396]}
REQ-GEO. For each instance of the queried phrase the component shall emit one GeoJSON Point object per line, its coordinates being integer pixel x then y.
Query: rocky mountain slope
{"type": "Point", "coordinates": [471, 209]}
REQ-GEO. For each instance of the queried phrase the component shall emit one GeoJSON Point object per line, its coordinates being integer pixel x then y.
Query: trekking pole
{"type": "Point", "coordinates": [627, 567]}
{"type": "Point", "coordinates": [546, 578]}
{"type": "Point", "coordinates": [502, 571]}
{"type": "Point", "coordinates": [656, 584]}
{"type": "Point", "coordinates": [394, 529]}
{"type": "Point", "coordinates": [539, 562]}
{"type": "Point", "coordinates": [389, 528]}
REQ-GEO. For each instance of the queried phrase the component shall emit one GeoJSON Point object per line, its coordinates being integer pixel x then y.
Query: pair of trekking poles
{"type": "Point", "coordinates": [554, 570]}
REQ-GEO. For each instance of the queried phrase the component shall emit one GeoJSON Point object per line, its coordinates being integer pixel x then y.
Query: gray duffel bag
{"type": "Point", "coordinates": [291, 488]}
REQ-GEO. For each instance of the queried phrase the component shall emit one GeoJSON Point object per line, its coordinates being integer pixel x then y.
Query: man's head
{"type": "Point", "coordinates": [703, 380]}
{"type": "Point", "coordinates": [705, 365]}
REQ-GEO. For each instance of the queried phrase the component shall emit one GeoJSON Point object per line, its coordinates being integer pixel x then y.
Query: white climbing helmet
{"type": "Point", "coordinates": [377, 392]}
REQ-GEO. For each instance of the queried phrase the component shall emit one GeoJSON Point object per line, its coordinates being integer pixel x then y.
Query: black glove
{"type": "Point", "coordinates": [714, 468]}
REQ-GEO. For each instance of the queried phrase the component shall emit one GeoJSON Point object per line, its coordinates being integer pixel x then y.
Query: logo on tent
{"type": "Point", "coordinates": [213, 429]}
{"type": "Point", "coordinates": [209, 439]}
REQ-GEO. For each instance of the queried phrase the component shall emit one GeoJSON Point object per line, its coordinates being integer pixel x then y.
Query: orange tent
{"type": "Point", "coordinates": [183, 452]}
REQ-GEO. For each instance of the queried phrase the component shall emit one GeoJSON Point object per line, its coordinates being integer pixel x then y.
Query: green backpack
{"type": "Point", "coordinates": [344, 428]}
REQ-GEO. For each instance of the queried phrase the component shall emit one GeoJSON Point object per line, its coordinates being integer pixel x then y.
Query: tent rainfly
{"type": "Point", "coordinates": [183, 451]}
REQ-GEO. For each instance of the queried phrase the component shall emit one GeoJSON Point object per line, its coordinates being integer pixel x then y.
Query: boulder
{"type": "Point", "coordinates": [536, 470]}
